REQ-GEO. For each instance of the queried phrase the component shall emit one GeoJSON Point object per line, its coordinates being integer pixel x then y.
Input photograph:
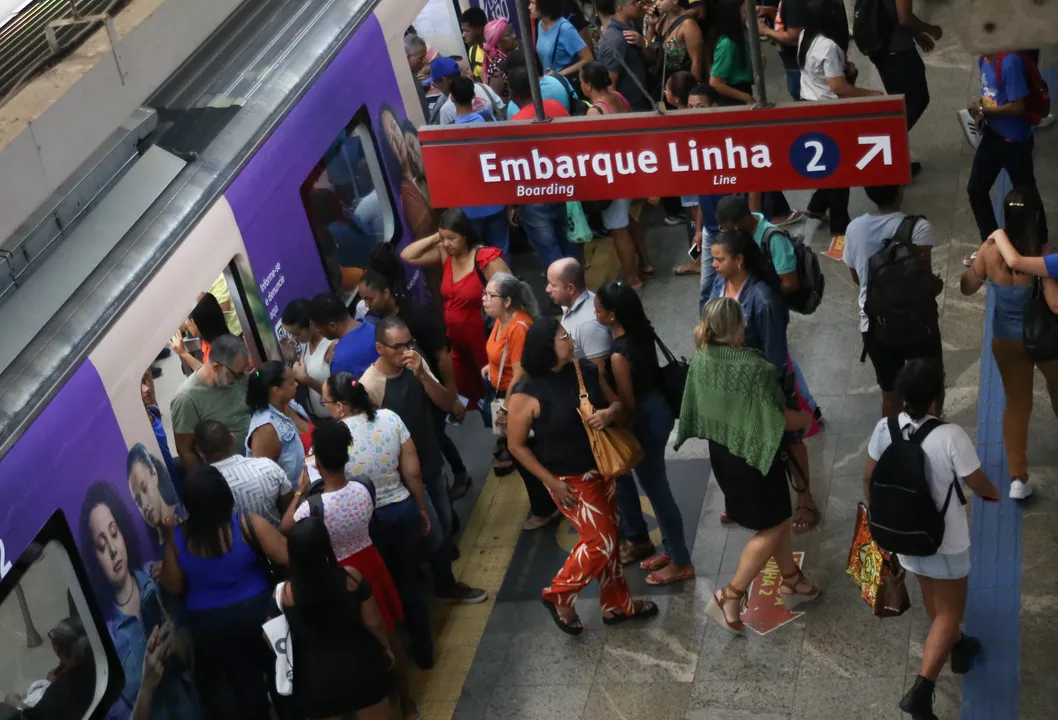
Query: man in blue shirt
{"type": "Point", "coordinates": [1006, 136]}
{"type": "Point", "coordinates": [355, 350]}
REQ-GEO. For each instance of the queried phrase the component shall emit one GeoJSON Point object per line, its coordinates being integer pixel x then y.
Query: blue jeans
{"type": "Point", "coordinates": [397, 533]}
{"type": "Point", "coordinates": [546, 230]}
{"type": "Point", "coordinates": [793, 83]}
{"type": "Point", "coordinates": [494, 232]}
{"type": "Point", "coordinates": [802, 385]}
{"type": "Point", "coordinates": [705, 285]}
{"type": "Point", "coordinates": [654, 422]}
{"type": "Point", "coordinates": [442, 544]}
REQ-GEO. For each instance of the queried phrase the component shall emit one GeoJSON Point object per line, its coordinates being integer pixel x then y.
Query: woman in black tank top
{"type": "Point", "coordinates": [342, 658]}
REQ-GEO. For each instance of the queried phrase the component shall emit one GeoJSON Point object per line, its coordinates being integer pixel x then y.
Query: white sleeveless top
{"type": "Point", "coordinates": [318, 369]}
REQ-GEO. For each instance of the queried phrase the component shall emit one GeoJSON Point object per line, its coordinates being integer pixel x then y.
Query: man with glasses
{"type": "Point", "coordinates": [215, 391]}
{"type": "Point", "coordinates": [401, 381]}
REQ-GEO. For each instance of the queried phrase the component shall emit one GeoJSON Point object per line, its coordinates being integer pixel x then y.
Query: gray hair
{"type": "Point", "coordinates": [227, 349]}
{"type": "Point", "coordinates": [413, 44]}
{"type": "Point", "coordinates": [518, 292]}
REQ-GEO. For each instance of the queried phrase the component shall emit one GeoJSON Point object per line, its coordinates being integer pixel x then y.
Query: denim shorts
{"type": "Point", "coordinates": [939, 566]}
{"type": "Point", "coordinates": [615, 217]}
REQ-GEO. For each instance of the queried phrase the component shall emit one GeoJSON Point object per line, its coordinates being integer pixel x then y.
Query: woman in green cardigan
{"type": "Point", "coordinates": [734, 400]}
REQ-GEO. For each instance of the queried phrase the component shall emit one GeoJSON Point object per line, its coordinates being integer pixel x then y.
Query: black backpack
{"type": "Point", "coordinates": [901, 303]}
{"type": "Point", "coordinates": [810, 279]}
{"type": "Point", "coordinates": [577, 106]}
{"type": "Point", "coordinates": [872, 27]}
{"type": "Point", "coordinates": [902, 516]}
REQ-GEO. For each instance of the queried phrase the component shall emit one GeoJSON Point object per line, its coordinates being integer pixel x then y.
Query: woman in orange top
{"type": "Point", "coordinates": [510, 302]}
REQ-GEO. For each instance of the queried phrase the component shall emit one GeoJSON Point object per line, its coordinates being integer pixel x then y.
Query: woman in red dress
{"type": "Point", "coordinates": [467, 267]}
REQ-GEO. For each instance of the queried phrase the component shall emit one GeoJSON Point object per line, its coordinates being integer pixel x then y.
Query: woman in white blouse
{"type": "Point", "coordinates": [313, 352]}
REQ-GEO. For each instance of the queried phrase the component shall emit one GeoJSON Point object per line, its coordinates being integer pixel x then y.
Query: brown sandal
{"type": "Point", "coordinates": [632, 553]}
{"type": "Point", "coordinates": [793, 598]}
{"type": "Point", "coordinates": [715, 608]}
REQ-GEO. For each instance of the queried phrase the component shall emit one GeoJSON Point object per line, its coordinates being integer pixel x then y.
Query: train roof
{"type": "Point", "coordinates": [167, 165]}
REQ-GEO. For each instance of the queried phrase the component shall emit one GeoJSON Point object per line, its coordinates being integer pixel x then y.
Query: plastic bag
{"type": "Point", "coordinates": [577, 228]}
{"type": "Point", "coordinates": [877, 574]}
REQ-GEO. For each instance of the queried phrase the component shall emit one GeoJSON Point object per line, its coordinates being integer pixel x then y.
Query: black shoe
{"type": "Point", "coordinates": [462, 594]}
{"type": "Point", "coordinates": [918, 702]}
{"type": "Point", "coordinates": [166, 352]}
{"type": "Point", "coordinates": [963, 654]}
{"type": "Point", "coordinates": [156, 372]}
{"type": "Point", "coordinates": [819, 417]}
{"type": "Point", "coordinates": [916, 168]}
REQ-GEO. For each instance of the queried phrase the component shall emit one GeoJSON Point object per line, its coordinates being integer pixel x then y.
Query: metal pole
{"type": "Point", "coordinates": [525, 24]}
{"type": "Point", "coordinates": [758, 61]}
{"type": "Point", "coordinates": [33, 638]}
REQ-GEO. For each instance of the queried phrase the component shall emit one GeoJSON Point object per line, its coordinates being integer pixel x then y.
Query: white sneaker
{"type": "Point", "coordinates": [1019, 490]}
{"type": "Point", "coordinates": [970, 129]}
{"type": "Point", "coordinates": [1046, 122]}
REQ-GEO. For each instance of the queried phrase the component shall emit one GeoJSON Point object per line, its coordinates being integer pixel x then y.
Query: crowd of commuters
{"type": "Point", "coordinates": [327, 470]}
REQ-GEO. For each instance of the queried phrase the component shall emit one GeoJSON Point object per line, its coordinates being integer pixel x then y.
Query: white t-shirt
{"type": "Point", "coordinates": [823, 60]}
{"type": "Point", "coordinates": [376, 453]}
{"type": "Point", "coordinates": [484, 99]}
{"type": "Point", "coordinates": [866, 236]}
{"type": "Point", "coordinates": [950, 456]}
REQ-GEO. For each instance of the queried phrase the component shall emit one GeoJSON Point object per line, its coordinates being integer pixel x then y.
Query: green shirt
{"type": "Point", "coordinates": [782, 253]}
{"type": "Point", "coordinates": [727, 65]}
{"type": "Point", "coordinates": [196, 401]}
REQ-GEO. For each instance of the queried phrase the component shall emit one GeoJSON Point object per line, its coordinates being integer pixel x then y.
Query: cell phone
{"type": "Point", "coordinates": [694, 252]}
{"type": "Point", "coordinates": [152, 614]}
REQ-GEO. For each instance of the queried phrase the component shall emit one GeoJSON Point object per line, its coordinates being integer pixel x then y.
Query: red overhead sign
{"type": "Point", "coordinates": [794, 146]}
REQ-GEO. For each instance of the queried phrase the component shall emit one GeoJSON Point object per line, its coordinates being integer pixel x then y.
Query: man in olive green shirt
{"type": "Point", "coordinates": [215, 391]}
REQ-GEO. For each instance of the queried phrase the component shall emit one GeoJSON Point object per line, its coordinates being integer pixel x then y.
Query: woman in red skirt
{"type": "Point", "coordinates": [346, 509]}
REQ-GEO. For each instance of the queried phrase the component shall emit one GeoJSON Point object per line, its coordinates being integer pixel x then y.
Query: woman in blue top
{"type": "Point", "coordinates": [559, 46]}
{"type": "Point", "coordinates": [743, 274]}
{"type": "Point", "coordinates": [139, 615]}
{"type": "Point", "coordinates": [211, 562]}
{"type": "Point", "coordinates": [1023, 220]}
{"type": "Point", "coordinates": [277, 424]}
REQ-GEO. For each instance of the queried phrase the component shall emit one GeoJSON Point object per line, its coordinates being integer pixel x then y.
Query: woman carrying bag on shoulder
{"type": "Point", "coordinates": [342, 657]}
{"type": "Point", "coordinates": [562, 455]}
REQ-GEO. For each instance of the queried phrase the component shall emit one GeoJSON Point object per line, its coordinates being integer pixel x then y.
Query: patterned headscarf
{"type": "Point", "coordinates": [494, 30]}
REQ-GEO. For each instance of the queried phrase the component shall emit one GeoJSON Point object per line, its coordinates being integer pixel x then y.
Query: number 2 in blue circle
{"type": "Point", "coordinates": [815, 155]}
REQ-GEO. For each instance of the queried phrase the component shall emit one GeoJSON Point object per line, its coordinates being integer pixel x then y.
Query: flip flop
{"type": "Point", "coordinates": [656, 562]}
{"type": "Point", "coordinates": [685, 574]}
{"type": "Point", "coordinates": [563, 625]}
{"type": "Point", "coordinates": [800, 527]}
{"type": "Point", "coordinates": [647, 274]}
{"type": "Point", "coordinates": [646, 610]}
{"type": "Point", "coordinates": [687, 269]}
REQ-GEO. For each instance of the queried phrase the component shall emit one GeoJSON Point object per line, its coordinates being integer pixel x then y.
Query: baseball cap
{"type": "Point", "coordinates": [441, 67]}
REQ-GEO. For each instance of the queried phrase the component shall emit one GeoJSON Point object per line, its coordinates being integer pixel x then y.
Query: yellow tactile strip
{"type": "Point", "coordinates": [486, 549]}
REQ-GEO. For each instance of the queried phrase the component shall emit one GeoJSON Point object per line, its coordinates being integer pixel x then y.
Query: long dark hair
{"type": "Point", "coordinates": [102, 493]}
{"type": "Point", "coordinates": [739, 242]}
{"type": "Point", "coordinates": [346, 389]}
{"type": "Point", "coordinates": [262, 380]}
{"type": "Point", "coordinates": [209, 318]}
{"type": "Point", "coordinates": [1023, 221]}
{"type": "Point", "coordinates": [455, 220]}
{"type": "Point", "coordinates": [620, 299]}
{"type": "Point", "coordinates": [820, 18]}
{"type": "Point", "coordinates": [210, 506]}
{"type": "Point", "coordinates": [726, 20]}
{"type": "Point", "coordinates": [538, 354]}
{"type": "Point", "coordinates": [317, 581]}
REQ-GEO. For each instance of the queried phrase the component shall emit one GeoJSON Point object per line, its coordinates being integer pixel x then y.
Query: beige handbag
{"type": "Point", "coordinates": [498, 407]}
{"type": "Point", "coordinates": [616, 450]}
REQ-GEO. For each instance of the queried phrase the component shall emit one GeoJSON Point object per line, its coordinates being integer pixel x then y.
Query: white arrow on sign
{"type": "Point", "coordinates": [880, 145]}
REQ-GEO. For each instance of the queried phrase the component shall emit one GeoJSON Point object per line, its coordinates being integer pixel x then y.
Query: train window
{"type": "Point", "coordinates": [348, 205]}
{"type": "Point", "coordinates": [57, 659]}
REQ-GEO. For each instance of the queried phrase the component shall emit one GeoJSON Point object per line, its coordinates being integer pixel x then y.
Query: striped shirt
{"type": "Point", "coordinates": [256, 483]}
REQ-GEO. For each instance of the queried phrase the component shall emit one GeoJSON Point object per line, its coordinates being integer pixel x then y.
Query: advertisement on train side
{"type": "Point", "coordinates": [700, 152]}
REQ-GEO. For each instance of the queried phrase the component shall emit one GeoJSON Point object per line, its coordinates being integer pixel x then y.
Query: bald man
{"type": "Point", "coordinates": [567, 287]}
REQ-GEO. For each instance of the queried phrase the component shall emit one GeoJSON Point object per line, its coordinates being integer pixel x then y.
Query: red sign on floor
{"type": "Point", "coordinates": [794, 146]}
{"type": "Point", "coordinates": [765, 610]}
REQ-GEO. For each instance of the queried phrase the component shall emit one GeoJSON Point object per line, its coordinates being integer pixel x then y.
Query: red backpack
{"type": "Point", "coordinates": [1038, 101]}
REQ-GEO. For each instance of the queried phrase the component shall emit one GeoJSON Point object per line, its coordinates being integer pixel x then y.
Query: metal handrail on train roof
{"type": "Point", "coordinates": [40, 370]}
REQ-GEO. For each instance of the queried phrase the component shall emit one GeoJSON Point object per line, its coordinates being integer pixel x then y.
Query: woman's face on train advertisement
{"type": "Point", "coordinates": [395, 137]}
{"type": "Point", "coordinates": [109, 545]}
{"type": "Point", "coordinates": [415, 163]}
{"type": "Point", "coordinates": [143, 484]}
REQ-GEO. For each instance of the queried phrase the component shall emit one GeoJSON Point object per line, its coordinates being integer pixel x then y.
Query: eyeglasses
{"type": "Point", "coordinates": [564, 336]}
{"type": "Point", "coordinates": [400, 347]}
{"type": "Point", "coordinates": [486, 294]}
